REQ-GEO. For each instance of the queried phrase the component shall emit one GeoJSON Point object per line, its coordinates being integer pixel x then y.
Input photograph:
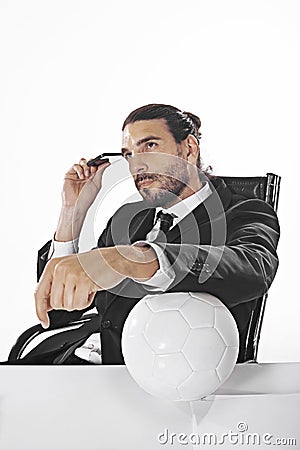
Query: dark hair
{"type": "Point", "coordinates": [180, 123]}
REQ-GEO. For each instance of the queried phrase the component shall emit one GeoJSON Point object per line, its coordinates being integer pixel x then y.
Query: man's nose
{"type": "Point", "coordinates": [138, 164]}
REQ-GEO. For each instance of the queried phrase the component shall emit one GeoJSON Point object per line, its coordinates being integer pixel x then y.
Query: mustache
{"type": "Point", "coordinates": [145, 176]}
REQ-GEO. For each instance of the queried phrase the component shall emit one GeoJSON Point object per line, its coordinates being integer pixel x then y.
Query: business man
{"type": "Point", "coordinates": [210, 240]}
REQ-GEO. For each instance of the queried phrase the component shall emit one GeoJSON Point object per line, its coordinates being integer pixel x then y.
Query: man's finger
{"type": "Point", "coordinates": [68, 299]}
{"type": "Point", "coordinates": [81, 296]}
{"type": "Point", "coordinates": [56, 297]}
{"type": "Point", "coordinates": [42, 308]}
{"type": "Point", "coordinates": [42, 297]}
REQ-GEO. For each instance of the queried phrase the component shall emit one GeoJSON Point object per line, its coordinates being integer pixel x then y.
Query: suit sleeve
{"type": "Point", "coordinates": [42, 259]}
{"type": "Point", "coordinates": [238, 271]}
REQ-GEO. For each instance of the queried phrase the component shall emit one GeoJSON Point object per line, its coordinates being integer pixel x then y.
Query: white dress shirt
{"type": "Point", "coordinates": [159, 282]}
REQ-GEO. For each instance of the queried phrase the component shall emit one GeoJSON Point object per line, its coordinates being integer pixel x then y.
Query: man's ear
{"type": "Point", "coordinates": [192, 149]}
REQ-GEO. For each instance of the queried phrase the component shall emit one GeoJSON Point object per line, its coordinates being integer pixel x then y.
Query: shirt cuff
{"type": "Point", "coordinates": [58, 249]}
{"type": "Point", "coordinates": [164, 276]}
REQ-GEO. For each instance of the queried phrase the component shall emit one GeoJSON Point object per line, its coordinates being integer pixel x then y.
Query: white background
{"type": "Point", "coordinates": [70, 73]}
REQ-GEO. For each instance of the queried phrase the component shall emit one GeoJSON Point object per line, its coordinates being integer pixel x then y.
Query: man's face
{"type": "Point", "coordinates": [157, 162]}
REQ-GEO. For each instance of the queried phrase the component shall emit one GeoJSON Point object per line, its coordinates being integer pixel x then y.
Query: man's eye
{"type": "Point", "coordinates": [150, 145]}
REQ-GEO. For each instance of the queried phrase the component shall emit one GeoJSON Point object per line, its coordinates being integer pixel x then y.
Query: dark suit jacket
{"type": "Point", "coordinates": [226, 247]}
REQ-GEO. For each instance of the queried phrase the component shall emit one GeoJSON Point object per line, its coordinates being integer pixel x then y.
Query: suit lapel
{"type": "Point", "coordinates": [141, 224]}
{"type": "Point", "coordinates": [210, 210]}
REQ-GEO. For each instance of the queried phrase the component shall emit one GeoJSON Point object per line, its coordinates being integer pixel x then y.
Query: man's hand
{"type": "Point", "coordinates": [82, 184]}
{"type": "Point", "coordinates": [71, 282]}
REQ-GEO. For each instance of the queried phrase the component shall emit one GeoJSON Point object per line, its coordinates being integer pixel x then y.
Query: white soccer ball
{"type": "Point", "coordinates": [180, 345]}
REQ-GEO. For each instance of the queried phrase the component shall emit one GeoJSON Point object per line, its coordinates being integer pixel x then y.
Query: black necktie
{"type": "Point", "coordinates": [166, 221]}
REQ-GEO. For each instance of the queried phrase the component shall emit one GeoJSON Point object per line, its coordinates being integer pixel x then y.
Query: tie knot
{"type": "Point", "coordinates": [166, 220]}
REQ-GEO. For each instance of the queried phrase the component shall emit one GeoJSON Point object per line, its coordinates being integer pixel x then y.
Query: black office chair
{"type": "Point", "coordinates": [267, 189]}
{"type": "Point", "coordinates": [264, 188]}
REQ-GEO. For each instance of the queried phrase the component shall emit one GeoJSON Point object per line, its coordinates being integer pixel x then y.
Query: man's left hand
{"type": "Point", "coordinates": [71, 282]}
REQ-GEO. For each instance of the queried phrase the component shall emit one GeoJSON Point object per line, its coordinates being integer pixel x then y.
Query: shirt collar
{"type": "Point", "coordinates": [184, 207]}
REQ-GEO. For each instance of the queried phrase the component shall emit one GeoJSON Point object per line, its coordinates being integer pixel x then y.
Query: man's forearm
{"type": "Point", "coordinates": [69, 225]}
{"type": "Point", "coordinates": [134, 262]}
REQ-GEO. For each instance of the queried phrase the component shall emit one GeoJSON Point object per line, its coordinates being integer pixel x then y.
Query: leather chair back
{"type": "Point", "coordinates": [264, 188]}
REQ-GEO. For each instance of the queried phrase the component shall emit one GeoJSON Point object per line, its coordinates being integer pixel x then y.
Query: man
{"type": "Point", "coordinates": [218, 242]}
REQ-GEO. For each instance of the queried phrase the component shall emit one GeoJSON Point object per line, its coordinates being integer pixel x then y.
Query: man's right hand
{"type": "Point", "coordinates": [81, 185]}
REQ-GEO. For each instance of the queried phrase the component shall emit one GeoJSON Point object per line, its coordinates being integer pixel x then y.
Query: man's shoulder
{"type": "Point", "coordinates": [240, 209]}
{"type": "Point", "coordinates": [238, 200]}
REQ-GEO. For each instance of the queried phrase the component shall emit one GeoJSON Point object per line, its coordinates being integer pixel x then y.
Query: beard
{"type": "Point", "coordinates": [168, 186]}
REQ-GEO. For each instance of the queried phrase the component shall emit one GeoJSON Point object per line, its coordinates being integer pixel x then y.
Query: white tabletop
{"type": "Point", "coordinates": [101, 407]}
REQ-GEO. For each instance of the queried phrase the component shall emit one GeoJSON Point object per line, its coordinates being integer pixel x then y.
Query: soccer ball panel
{"type": "Point", "coordinates": [139, 317]}
{"type": "Point", "coordinates": [226, 326]}
{"type": "Point", "coordinates": [171, 368]}
{"type": "Point", "coordinates": [198, 314]}
{"type": "Point", "coordinates": [227, 362]}
{"type": "Point", "coordinates": [159, 388]}
{"type": "Point", "coordinates": [207, 298]}
{"type": "Point", "coordinates": [199, 384]}
{"type": "Point", "coordinates": [138, 356]}
{"type": "Point", "coordinates": [167, 301]}
{"type": "Point", "coordinates": [166, 332]}
{"type": "Point", "coordinates": [203, 348]}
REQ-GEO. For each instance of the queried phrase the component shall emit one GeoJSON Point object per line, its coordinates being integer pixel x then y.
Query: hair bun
{"type": "Point", "coordinates": [195, 119]}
